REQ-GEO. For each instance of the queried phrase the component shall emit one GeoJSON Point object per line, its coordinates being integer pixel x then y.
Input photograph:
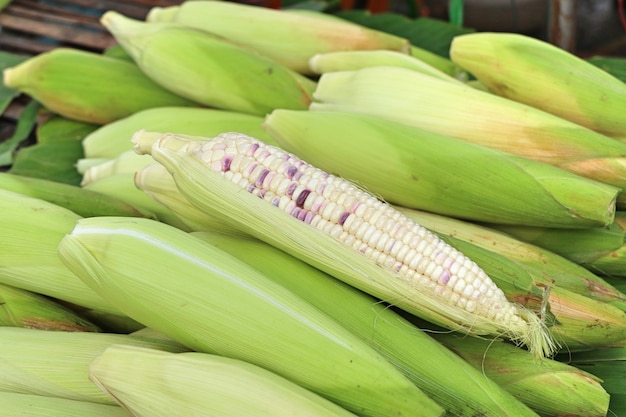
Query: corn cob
{"type": "Point", "coordinates": [213, 303]}
{"type": "Point", "coordinates": [472, 115]}
{"type": "Point", "coordinates": [21, 308]}
{"type": "Point", "coordinates": [56, 364]}
{"type": "Point", "coordinates": [464, 392]}
{"type": "Point", "coordinates": [513, 190]}
{"type": "Point", "coordinates": [208, 69]}
{"type": "Point", "coordinates": [114, 138]}
{"type": "Point", "coordinates": [152, 383]}
{"type": "Point", "coordinates": [354, 60]}
{"type": "Point", "coordinates": [27, 405]}
{"type": "Point", "coordinates": [122, 186]}
{"type": "Point", "coordinates": [543, 265]}
{"type": "Point", "coordinates": [87, 86]}
{"type": "Point", "coordinates": [288, 37]}
{"type": "Point", "coordinates": [428, 278]}
{"type": "Point", "coordinates": [32, 229]}
{"type": "Point", "coordinates": [552, 388]}
{"type": "Point", "coordinates": [542, 75]}
{"type": "Point", "coordinates": [81, 201]}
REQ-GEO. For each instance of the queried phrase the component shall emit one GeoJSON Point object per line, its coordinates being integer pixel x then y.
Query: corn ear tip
{"type": "Point", "coordinates": [538, 339]}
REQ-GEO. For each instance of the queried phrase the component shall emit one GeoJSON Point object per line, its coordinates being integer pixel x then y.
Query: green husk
{"type": "Point", "coordinates": [428, 171]}
{"type": "Point", "coordinates": [464, 392]}
{"type": "Point", "coordinates": [32, 228]}
{"type": "Point", "coordinates": [153, 383]}
{"type": "Point", "coordinates": [28, 405]}
{"type": "Point", "coordinates": [56, 364]}
{"type": "Point", "coordinates": [21, 308]}
{"type": "Point", "coordinates": [114, 138]}
{"type": "Point", "coordinates": [213, 303]}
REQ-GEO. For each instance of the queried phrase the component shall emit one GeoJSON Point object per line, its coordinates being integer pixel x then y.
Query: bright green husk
{"type": "Point", "coordinates": [443, 64]}
{"type": "Point", "coordinates": [290, 38]}
{"type": "Point", "coordinates": [550, 387]}
{"type": "Point", "coordinates": [214, 303]}
{"type": "Point", "coordinates": [610, 366]}
{"type": "Point", "coordinates": [28, 405]}
{"type": "Point", "coordinates": [56, 364]}
{"type": "Point", "coordinates": [21, 308]}
{"type": "Point", "coordinates": [152, 383]}
{"type": "Point", "coordinates": [157, 182]}
{"type": "Point", "coordinates": [87, 86]}
{"type": "Point", "coordinates": [353, 60]}
{"type": "Point", "coordinates": [122, 186]}
{"type": "Point", "coordinates": [542, 75]}
{"type": "Point", "coordinates": [211, 193]}
{"type": "Point", "coordinates": [31, 230]}
{"type": "Point", "coordinates": [463, 393]}
{"type": "Point", "coordinates": [81, 201]}
{"type": "Point", "coordinates": [208, 69]}
{"type": "Point", "coordinates": [114, 138]}
{"type": "Point", "coordinates": [475, 116]}
{"type": "Point", "coordinates": [544, 266]}
{"type": "Point", "coordinates": [454, 177]}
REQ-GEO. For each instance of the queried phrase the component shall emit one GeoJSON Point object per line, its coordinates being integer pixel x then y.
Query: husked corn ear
{"type": "Point", "coordinates": [411, 267]}
{"type": "Point", "coordinates": [152, 383]}
{"type": "Point", "coordinates": [208, 69]}
{"type": "Point", "coordinates": [542, 75]}
{"type": "Point", "coordinates": [87, 86]}
{"type": "Point", "coordinates": [56, 364]}
{"type": "Point", "coordinates": [29, 405]}
{"type": "Point", "coordinates": [214, 303]}
{"type": "Point", "coordinates": [288, 37]}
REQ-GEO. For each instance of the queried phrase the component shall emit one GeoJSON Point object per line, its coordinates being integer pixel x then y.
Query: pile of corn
{"type": "Point", "coordinates": [283, 213]}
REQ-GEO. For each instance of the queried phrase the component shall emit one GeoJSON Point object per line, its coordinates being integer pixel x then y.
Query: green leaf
{"type": "Point", "coordinates": [7, 60]}
{"type": "Point", "coordinates": [59, 146]}
{"type": "Point", "coordinates": [433, 35]}
{"type": "Point", "coordinates": [616, 66]}
{"type": "Point", "coordinates": [25, 125]}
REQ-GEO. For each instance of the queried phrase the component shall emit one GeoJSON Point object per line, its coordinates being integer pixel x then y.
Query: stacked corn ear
{"type": "Point", "coordinates": [357, 59]}
{"type": "Point", "coordinates": [608, 365]}
{"type": "Point", "coordinates": [290, 38]}
{"type": "Point", "coordinates": [153, 383]}
{"type": "Point", "coordinates": [551, 387]}
{"type": "Point", "coordinates": [63, 81]}
{"type": "Point", "coordinates": [599, 249]}
{"type": "Point", "coordinates": [455, 178]}
{"type": "Point", "coordinates": [464, 392]}
{"type": "Point", "coordinates": [542, 75]}
{"type": "Point", "coordinates": [126, 162]}
{"type": "Point", "coordinates": [79, 200]}
{"type": "Point", "coordinates": [29, 405]}
{"type": "Point", "coordinates": [32, 229]}
{"type": "Point", "coordinates": [318, 222]}
{"type": "Point", "coordinates": [22, 308]}
{"type": "Point", "coordinates": [475, 116]}
{"type": "Point", "coordinates": [114, 138]}
{"type": "Point", "coordinates": [214, 303]}
{"type": "Point", "coordinates": [56, 364]}
{"type": "Point", "coordinates": [208, 69]}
